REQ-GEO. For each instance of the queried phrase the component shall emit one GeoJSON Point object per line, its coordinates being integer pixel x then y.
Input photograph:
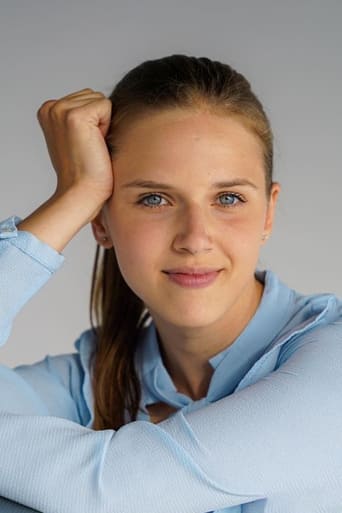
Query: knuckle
{"type": "Point", "coordinates": [44, 108]}
{"type": "Point", "coordinates": [56, 110]}
{"type": "Point", "coordinates": [47, 103]}
{"type": "Point", "coordinates": [62, 109]}
{"type": "Point", "coordinates": [72, 115]}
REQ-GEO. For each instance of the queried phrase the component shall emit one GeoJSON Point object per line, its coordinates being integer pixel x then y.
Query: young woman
{"type": "Point", "coordinates": [205, 384]}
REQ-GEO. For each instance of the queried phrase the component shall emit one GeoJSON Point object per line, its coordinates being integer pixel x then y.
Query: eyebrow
{"type": "Point", "coordinates": [150, 184]}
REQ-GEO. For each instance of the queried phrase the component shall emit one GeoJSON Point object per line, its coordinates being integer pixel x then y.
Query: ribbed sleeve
{"type": "Point", "coordinates": [26, 264]}
{"type": "Point", "coordinates": [276, 445]}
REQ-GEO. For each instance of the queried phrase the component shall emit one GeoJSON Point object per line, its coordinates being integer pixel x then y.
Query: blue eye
{"type": "Point", "coordinates": [152, 200]}
{"type": "Point", "coordinates": [155, 200]}
{"type": "Point", "coordinates": [230, 199]}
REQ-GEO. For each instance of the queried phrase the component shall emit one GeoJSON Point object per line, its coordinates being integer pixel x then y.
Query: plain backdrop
{"type": "Point", "coordinates": [289, 51]}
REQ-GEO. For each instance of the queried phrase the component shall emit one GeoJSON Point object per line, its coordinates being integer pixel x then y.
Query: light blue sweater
{"type": "Point", "coordinates": [266, 439]}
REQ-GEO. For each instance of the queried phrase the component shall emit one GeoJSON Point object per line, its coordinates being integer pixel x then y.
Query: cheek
{"type": "Point", "coordinates": [243, 236]}
{"type": "Point", "coordinates": [137, 247]}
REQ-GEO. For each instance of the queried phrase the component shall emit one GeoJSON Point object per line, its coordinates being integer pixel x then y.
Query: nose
{"type": "Point", "coordinates": [192, 234]}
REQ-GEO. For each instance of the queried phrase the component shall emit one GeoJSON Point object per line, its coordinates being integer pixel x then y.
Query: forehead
{"type": "Point", "coordinates": [186, 139]}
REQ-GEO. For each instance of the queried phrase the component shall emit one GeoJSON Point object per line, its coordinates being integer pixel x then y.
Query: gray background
{"type": "Point", "coordinates": [291, 53]}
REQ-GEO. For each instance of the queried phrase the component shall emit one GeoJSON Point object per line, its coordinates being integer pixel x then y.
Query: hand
{"type": "Point", "coordinates": [74, 129]}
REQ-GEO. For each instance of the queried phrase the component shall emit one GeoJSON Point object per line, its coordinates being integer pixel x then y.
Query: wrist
{"type": "Point", "coordinates": [62, 216]}
{"type": "Point", "coordinates": [82, 192]}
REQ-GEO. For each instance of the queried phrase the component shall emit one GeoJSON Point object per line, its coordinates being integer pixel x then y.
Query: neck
{"type": "Point", "coordinates": [186, 351]}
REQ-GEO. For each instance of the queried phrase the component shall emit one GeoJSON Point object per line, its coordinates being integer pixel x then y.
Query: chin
{"type": "Point", "coordinates": [191, 320]}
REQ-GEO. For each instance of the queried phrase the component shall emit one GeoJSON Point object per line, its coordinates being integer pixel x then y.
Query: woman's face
{"type": "Point", "coordinates": [189, 192]}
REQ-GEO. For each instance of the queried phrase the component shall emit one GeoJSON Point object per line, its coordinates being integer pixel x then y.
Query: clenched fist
{"type": "Point", "coordinates": [74, 129]}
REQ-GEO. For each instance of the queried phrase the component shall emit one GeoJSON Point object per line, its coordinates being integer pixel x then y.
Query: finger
{"type": "Point", "coordinates": [77, 101]}
{"type": "Point", "coordinates": [60, 107]}
{"type": "Point", "coordinates": [49, 103]}
{"type": "Point", "coordinates": [101, 115]}
{"type": "Point", "coordinates": [84, 104]}
{"type": "Point", "coordinates": [83, 93]}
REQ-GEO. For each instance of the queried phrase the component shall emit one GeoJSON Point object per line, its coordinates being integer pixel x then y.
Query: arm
{"type": "Point", "coordinates": [74, 129]}
{"type": "Point", "coordinates": [278, 439]}
{"type": "Point", "coordinates": [52, 386]}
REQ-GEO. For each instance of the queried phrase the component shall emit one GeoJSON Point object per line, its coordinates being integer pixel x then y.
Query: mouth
{"type": "Point", "coordinates": [192, 270]}
{"type": "Point", "coordinates": [193, 278]}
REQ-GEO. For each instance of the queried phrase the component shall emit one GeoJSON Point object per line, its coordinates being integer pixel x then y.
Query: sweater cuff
{"type": "Point", "coordinates": [30, 244]}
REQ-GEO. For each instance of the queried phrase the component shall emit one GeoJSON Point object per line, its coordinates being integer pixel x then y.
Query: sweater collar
{"type": "Point", "coordinates": [231, 364]}
{"type": "Point", "coordinates": [282, 314]}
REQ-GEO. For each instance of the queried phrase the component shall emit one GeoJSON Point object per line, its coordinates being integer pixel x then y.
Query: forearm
{"type": "Point", "coordinates": [61, 217]}
{"type": "Point", "coordinates": [137, 469]}
{"type": "Point", "coordinates": [278, 440]}
{"type": "Point", "coordinates": [31, 251]}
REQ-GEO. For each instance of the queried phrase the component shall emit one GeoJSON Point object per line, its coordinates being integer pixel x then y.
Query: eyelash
{"type": "Point", "coordinates": [233, 194]}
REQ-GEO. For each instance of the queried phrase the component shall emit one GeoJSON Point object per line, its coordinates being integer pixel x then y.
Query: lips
{"type": "Point", "coordinates": [191, 277]}
{"type": "Point", "coordinates": [192, 270]}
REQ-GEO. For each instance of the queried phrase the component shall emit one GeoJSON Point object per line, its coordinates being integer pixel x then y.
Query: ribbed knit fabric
{"type": "Point", "coordinates": [267, 438]}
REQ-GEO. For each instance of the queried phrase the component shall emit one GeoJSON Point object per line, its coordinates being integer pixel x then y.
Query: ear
{"type": "Point", "coordinates": [270, 212]}
{"type": "Point", "coordinates": [100, 231]}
